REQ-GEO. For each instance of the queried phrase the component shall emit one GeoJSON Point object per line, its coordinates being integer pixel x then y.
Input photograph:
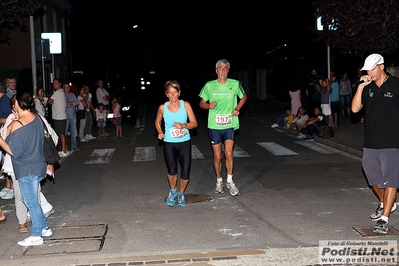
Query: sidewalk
{"type": "Point", "coordinates": [348, 136]}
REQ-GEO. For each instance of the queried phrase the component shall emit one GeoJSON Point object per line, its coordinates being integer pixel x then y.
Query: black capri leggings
{"type": "Point", "coordinates": [178, 152]}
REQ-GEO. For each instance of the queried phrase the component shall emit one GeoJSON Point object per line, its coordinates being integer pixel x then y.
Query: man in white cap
{"type": "Point", "coordinates": [379, 94]}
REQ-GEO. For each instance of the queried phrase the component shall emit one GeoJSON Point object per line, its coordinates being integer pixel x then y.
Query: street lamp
{"type": "Point", "coordinates": [320, 27]}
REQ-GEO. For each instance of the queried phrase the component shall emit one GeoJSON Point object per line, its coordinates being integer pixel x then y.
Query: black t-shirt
{"type": "Point", "coordinates": [381, 114]}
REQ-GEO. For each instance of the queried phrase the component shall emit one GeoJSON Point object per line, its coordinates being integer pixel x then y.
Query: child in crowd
{"type": "Point", "coordinates": [285, 119]}
{"type": "Point", "coordinates": [117, 119]}
{"type": "Point", "coordinates": [101, 116]}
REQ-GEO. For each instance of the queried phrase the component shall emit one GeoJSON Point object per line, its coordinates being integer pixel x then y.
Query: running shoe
{"type": "Point", "coordinates": [171, 200]}
{"type": "Point", "coordinates": [233, 189]}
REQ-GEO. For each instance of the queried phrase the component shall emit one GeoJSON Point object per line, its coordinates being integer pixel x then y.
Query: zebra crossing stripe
{"type": "Point", "coordinates": [195, 153]}
{"type": "Point", "coordinates": [100, 156]}
{"type": "Point", "coordinates": [238, 152]}
{"type": "Point", "coordinates": [318, 147]}
{"type": "Point", "coordinates": [144, 154]}
{"type": "Point", "coordinates": [276, 149]}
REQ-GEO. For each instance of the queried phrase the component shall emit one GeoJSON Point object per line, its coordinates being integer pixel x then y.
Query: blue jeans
{"type": "Point", "coordinates": [312, 129]}
{"type": "Point", "coordinates": [281, 117]}
{"type": "Point", "coordinates": [71, 124]}
{"type": "Point", "coordinates": [30, 189]}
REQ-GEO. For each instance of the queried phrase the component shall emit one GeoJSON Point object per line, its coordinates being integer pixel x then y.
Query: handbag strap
{"type": "Point", "coordinates": [44, 126]}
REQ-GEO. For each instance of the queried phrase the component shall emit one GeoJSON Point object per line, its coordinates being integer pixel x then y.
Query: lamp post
{"type": "Point", "coordinates": [321, 28]}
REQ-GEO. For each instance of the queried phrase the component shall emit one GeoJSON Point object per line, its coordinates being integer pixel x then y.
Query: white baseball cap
{"type": "Point", "coordinates": [372, 60]}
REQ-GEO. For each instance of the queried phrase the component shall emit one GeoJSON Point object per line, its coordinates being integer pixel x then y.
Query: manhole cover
{"type": "Point", "coordinates": [368, 231]}
{"type": "Point", "coordinates": [193, 198]}
{"type": "Point", "coordinates": [71, 239]}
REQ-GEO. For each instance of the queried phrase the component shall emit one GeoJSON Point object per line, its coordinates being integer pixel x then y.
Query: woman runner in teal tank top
{"type": "Point", "coordinates": [178, 119]}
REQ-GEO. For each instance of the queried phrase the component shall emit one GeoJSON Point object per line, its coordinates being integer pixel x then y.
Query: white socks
{"type": "Point", "coordinates": [229, 179]}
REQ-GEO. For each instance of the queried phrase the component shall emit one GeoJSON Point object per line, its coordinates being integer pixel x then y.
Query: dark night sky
{"type": "Point", "coordinates": [175, 34]}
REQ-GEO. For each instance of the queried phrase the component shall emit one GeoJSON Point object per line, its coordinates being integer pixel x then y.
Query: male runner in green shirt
{"type": "Point", "coordinates": [220, 97]}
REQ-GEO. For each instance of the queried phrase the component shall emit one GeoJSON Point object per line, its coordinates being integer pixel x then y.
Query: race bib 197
{"type": "Point", "coordinates": [224, 120]}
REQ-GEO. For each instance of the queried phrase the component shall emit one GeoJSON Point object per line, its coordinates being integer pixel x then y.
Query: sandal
{"type": "Point", "coordinates": [23, 230]}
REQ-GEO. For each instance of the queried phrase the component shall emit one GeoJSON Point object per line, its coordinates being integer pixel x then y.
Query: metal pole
{"type": "Point", "coordinates": [33, 54]}
{"type": "Point", "coordinates": [328, 61]}
{"type": "Point", "coordinates": [43, 68]}
{"type": "Point", "coordinates": [53, 68]}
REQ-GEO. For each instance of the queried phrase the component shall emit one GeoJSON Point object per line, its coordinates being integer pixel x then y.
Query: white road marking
{"type": "Point", "coordinates": [144, 154]}
{"type": "Point", "coordinates": [100, 156]}
{"type": "Point", "coordinates": [195, 153]}
{"type": "Point", "coordinates": [276, 149]}
{"type": "Point", "coordinates": [238, 152]}
{"type": "Point", "coordinates": [318, 147]}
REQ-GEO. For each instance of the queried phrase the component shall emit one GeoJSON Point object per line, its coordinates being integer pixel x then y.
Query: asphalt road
{"type": "Point", "coordinates": [110, 208]}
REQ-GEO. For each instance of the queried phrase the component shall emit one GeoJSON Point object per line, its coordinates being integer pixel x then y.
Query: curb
{"type": "Point", "coordinates": [341, 147]}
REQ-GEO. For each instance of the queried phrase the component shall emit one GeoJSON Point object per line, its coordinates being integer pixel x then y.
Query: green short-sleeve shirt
{"type": "Point", "coordinates": [225, 95]}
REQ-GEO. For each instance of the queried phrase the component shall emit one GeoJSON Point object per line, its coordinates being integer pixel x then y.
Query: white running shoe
{"type": "Point", "coordinates": [274, 125]}
{"type": "Point", "coordinates": [4, 191]}
{"type": "Point", "coordinates": [9, 194]}
{"type": "Point", "coordinates": [219, 187]}
{"type": "Point", "coordinates": [233, 189]}
{"type": "Point", "coordinates": [47, 232]}
{"type": "Point", "coordinates": [90, 137]}
{"type": "Point", "coordinates": [301, 136]}
{"type": "Point", "coordinates": [63, 154]}
{"type": "Point", "coordinates": [31, 241]}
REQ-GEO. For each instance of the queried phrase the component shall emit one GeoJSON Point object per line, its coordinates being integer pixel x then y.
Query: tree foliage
{"type": "Point", "coordinates": [362, 26]}
{"type": "Point", "coordinates": [15, 14]}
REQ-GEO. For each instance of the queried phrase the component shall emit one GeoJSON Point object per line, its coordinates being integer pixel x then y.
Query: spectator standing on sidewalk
{"type": "Point", "coordinates": [179, 118]}
{"type": "Point", "coordinates": [345, 93]}
{"type": "Point", "coordinates": [11, 83]}
{"type": "Point", "coordinates": [103, 97]}
{"type": "Point", "coordinates": [101, 116]}
{"type": "Point", "coordinates": [90, 110]}
{"type": "Point", "coordinates": [295, 96]}
{"type": "Point", "coordinates": [379, 95]}
{"type": "Point", "coordinates": [5, 110]}
{"type": "Point", "coordinates": [219, 97]}
{"type": "Point", "coordinates": [71, 125]}
{"type": "Point", "coordinates": [325, 91]}
{"type": "Point", "coordinates": [117, 119]}
{"type": "Point", "coordinates": [41, 103]}
{"type": "Point", "coordinates": [82, 99]}
{"type": "Point", "coordinates": [313, 91]}
{"type": "Point", "coordinates": [58, 112]}
{"type": "Point", "coordinates": [334, 97]}
{"type": "Point", "coordinates": [21, 210]}
{"type": "Point", "coordinates": [25, 145]}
